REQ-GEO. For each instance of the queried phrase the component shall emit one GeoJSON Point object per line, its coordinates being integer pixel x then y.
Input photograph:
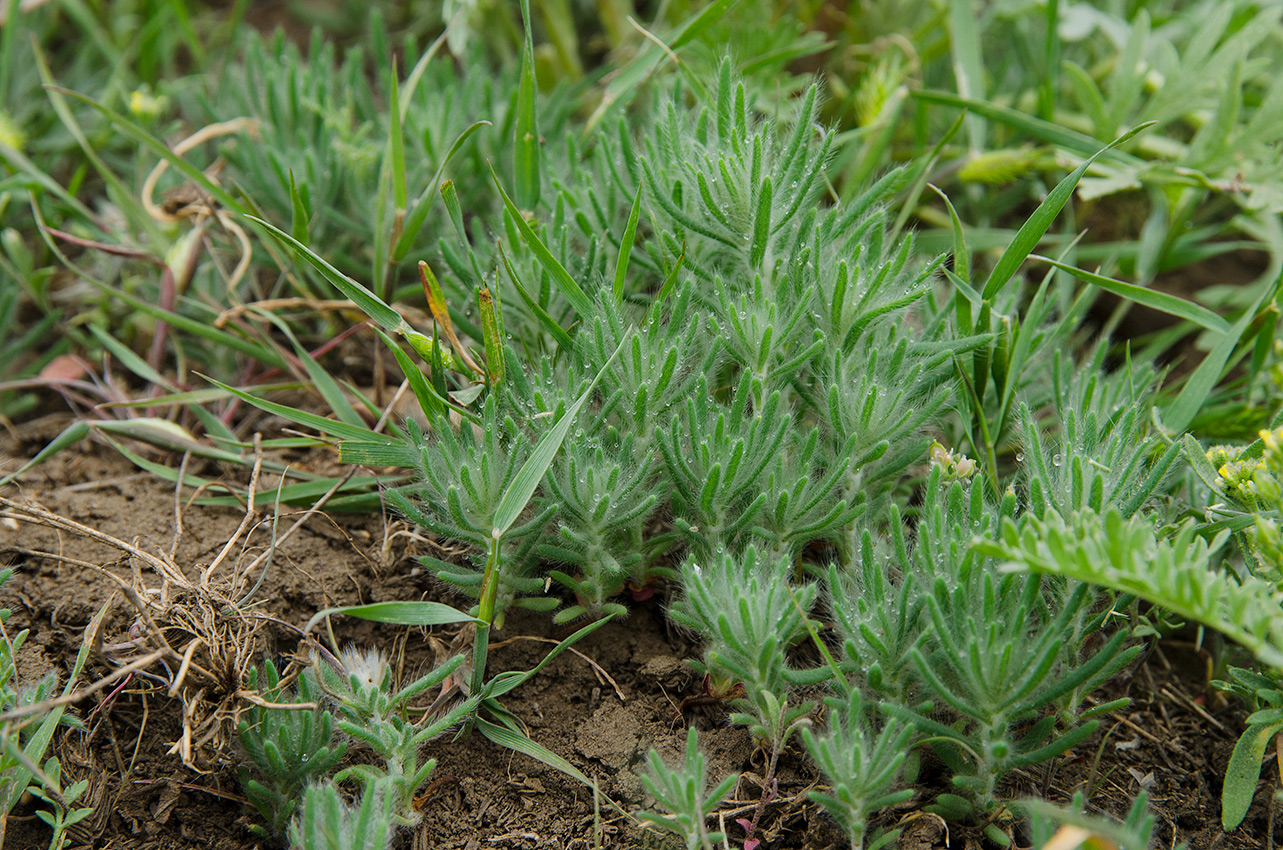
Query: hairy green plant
{"type": "Point", "coordinates": [675, 324]}
{"type": "Point", "coordinates": [27, 726]}
{"type": "Point", "coordinates": [1007, 655]}
{"type": "Point", "coordinates": [288, 747]}
{"type": "Point", "coordinates": [1072, 823]}
{"type": "Point", "coordinates": [749, 615]}
{"type": "Point", "coordinates": [861, 764]}
{"type": "Point", "coordinates": [374, 711]}
{"type": "Point", "coordinates": [327, 822]}
{"type": "Point", "coordinates": [62, 812]}
{"type": "Point", "coordinates": [684, 792]}
{"type": "Point", "coordinates": [463, 477]}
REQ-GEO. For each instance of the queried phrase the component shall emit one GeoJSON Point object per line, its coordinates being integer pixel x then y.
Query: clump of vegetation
{"type": "Point", "coordinates": [693, 325]}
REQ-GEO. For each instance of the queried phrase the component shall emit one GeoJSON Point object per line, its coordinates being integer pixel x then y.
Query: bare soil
{"type": "Point", "coordinates": [162, 767]}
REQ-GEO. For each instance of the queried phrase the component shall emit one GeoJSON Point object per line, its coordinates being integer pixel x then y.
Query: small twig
{"type": "Point", "coordinates": [597, 668]}
{"type": "Point", "coordinates": [246, 520]}
{"type": "Point", "coordinates": [252, 696]}
{"type": "Point", "coordinates": [129, 590]}
{"type": "Point", "coordinates": [1198, 709]}
{"type": "Point", "coordinates": [187, 786]}
{"type": "Point", "coordinates": [211, 131]}
{"type": "Point", "coordinates": [178, 503]}
{"type": "Point", "coordinates": [181, 676]}
{"type": "Point", "coordinates": [40, 516]}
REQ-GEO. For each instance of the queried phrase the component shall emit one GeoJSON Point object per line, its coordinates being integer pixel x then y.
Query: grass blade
{"type": "Point", "coordinates": [299, 216]}
{"type": "Point", "coordinates": [1162, 301]}
{"type": "Point", "coordinates": [397, 613]}
{"type": "Point", "coordinates": [342, 430]}
{"type": "Point", "coordinates": [73, 434]}
{"type": "Point", "coordinates": [1044, 131]}
{"type": "Point", "coordinates": [130, 360]}
{"type": "Point", "coordinates": [369, 303]}
{"type": "Point", "coordinates": [430, 403]}
{"type": "Point", "coordinates": [1199, 386]}
{"type": "Point", "coordinates": [968, 67]}
{"type": "Point", "coordinates": [1031, 232]}
{"type": "Point", "coordinates": [418, 213]}
{"type": "Point", "coordinates": [696, 26]}
{"type": "Point", "coordinates": [324, 382]}
{"type": "Point", "coordinates": [549, 323]}
{"type": "Point", "coordinates": [525, 142]}
{"type": "Point", "coordinates": [532, 471]}
{"type": "Point", "coordinates": [396, 144]}
{"type": "Point", "coordinates": [626, 245]}
{"type": "Point", "coordinates": [518, 743]}
{"type": "Point", "coordinates": [578, 300]}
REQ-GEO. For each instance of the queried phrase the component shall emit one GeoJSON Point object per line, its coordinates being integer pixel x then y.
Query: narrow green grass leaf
{"type": "Point", "coordinates": [129, 359]}
{"type": "Point", "coordinates": [549, 323]}
{"type": "Point", "coordinates": [193, 398]}
{"type": "Point", "coordinates": [322, 380]}
{"type": "Point", "coordinates": [527, 479]}
{"type": "Point", "coordinates": [342, 430]}
{"type": "Point", "coordinates": [396, 144]}
{"type": "Point", "coordinates": [430, 403]}
{"type": "Point", "coordinates": [148, 140]}
{"type": "Point", "coordinates": [1199, 385]}
{"type": "Point", "coordinates": [695, 27]}
{"type": "Point", "coordinates": [626, 245]}
{"type": "Point", "coordinates": [21, 165]}
{"type": "Point", "coordinates": [59, 103]}
{"type": "Point", "coordinates": [215, 429]}
{"type": "Point", "coordinates": [418, 212]}
{"type": "Point", "coordinates": [299, 215]}
{"type": "Point", "coordinates": [262, 353]}
{"type": "Point", "coordinates": [417, 613]}
{"type": "Point", "coordinates": [1031, 232]}
{"type": "Point", "coordinates": [1163, 302]}
{"type": "Point", "coordinates": [923, 169]}
{"type": "Point", "coordinates": [166, 435]}
{"type": "Point", "coordinates": [511, 679]}
{"type": "Point", "coordinates": [968, 66]}
{"type": "Point", "coordinates": [369, 303]}
{"type": "Point", "coordinates": [518, 743]}
{"type": "Point", "coordinates": [1028, 125]}
{"type": "Point", "coordinates": [307, 492]}
{"type": "Point", "coordinates": [385, 453]}
{"type": "Point", "coordinates": [578, 300]}
{"type": "Point", "coordinates": [525, 131]}
{"type": "Point", "coordinates": [169, 474]}
{"type": "Point", "coordinates": [71, 435]}
{"type": "Point", "coordinates": [417, 72]}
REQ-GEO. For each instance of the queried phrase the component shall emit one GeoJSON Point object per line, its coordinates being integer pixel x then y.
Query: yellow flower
{"type": "Point", "coordinates": [145, 105]}
{"type": "Point", "coordinates": [10, 133]}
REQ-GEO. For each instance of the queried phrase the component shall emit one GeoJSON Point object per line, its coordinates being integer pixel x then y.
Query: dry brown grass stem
{"type": "Point", "coordinates": [246, 520]}
{"type": "Point", "coordinates": [204, 208]}
{"type": "Point", "coordinates": [220, 640]}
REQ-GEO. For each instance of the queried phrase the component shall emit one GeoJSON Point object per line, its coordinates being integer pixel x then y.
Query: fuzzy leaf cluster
{"type": "Point", "coordinates": [288, 747]}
